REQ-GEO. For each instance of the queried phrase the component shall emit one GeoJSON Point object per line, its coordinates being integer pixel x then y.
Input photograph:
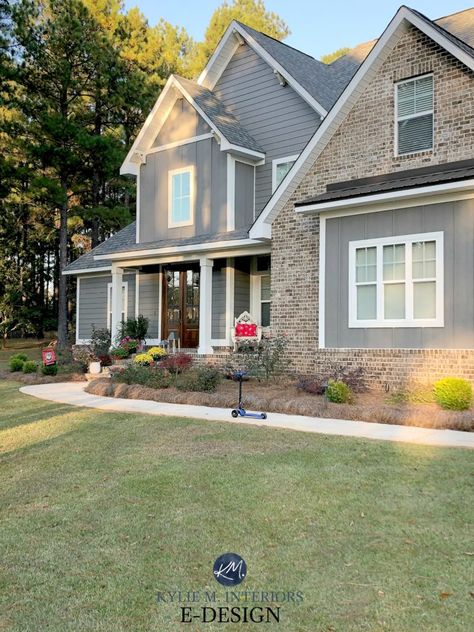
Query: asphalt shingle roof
{"type": "Point", "coordinates": [124, 241]}
{"type": "Point", "coordinates": [220, 116]}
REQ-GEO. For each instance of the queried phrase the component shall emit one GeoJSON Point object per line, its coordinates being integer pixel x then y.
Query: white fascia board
{"type": "Point", "coordinates": [336, 115]}
{"type": "Point", "coordinates": [88, 270]}
{"type": "Point", "coordinates": [210, 79]}
{"type": "Point", "coordinates": [388, 196]}
{"type": "Point", "coordinates": [129, 166]}
{"type": "Point", "coordinates": [151, 252]}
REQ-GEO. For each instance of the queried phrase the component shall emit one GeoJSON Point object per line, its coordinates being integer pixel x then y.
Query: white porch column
{"type": "Point", "coordinates": [117, 280]}
{"type": "Point", "coordinates": [205, 306]}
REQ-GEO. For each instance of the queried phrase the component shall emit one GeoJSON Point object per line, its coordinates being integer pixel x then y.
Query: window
{"type": "Point", "coordinates": [181, 197]}
{"type": "Point", "coordinates": [414, 115]}
{"type": "Point", "coordinates": [109, 303]}
{"type": "Point", "coordinates": [261, 290]}
{"type": "Point", "coordinates": [280, 168]}
{"type": "Point", "coordinates": [396, 281]}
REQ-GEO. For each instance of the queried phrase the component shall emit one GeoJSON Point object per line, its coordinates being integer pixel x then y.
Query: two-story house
{"type": "Point", "coordinates": [333, 202]}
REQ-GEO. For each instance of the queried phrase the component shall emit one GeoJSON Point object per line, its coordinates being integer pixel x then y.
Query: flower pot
{"type": "Point", "coordinates": [94, 368]}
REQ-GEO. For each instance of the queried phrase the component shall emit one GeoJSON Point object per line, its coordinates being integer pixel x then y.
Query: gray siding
{"type": "Point", "coordinates": [218, 299]}
{"type": "Point", "coordinates": [210, 211]}
{"type": "Point", "coordinates": [456, 220]}
{"type": "Point", "coordinates": [93, 302]}
{"type": "Point", "coordinates": [242, 286]}
{"type": "Point", "coordinates": [276, 116]}
{"type": "Point", "coordinates": [148, 300]}
{"type": "Point", "coordinates": [244, 194]}
{"type": "Point", "coordinates": [183, 122]}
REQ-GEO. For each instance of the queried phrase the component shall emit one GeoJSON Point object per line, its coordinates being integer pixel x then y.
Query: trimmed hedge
{"type": "Point", "coordinates": [50, 369]}
{"type": "Point", "coordinates": [29, 366]}
{"type": "Point", "coordinates": [453, 393]}
{"type": "Point", "coordinates": [16, 364]}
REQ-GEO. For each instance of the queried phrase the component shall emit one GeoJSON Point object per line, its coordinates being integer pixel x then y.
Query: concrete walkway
{"type": "Point", "coordinates": [73, 393]}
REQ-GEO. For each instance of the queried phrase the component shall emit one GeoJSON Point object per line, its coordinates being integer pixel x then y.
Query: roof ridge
{"type": "Point", "coordinates": [246, 26]}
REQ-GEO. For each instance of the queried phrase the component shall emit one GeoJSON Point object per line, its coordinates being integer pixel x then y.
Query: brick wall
{"type": "Point", "coordinates": [362, 147]}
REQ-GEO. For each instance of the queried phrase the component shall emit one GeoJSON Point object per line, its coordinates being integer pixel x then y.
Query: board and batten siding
{"type": "Point", "coordinates": [456, 221]}
{"type": "Point", "coordinates": [218, 328]}
{"type": "Point", "coordinates": [183, 122]}
{"type": "Point", "coordinates": [210, 188]}
{"type": "Point", "coordinates": [241, 286]}
{"type": "Point", "coordinates": [276, 116]}
{"type": "Point", "coordinates": [93, 303]}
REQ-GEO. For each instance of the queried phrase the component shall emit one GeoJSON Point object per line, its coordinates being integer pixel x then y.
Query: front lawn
{"type": "Point", "coordinates": [99, 511]}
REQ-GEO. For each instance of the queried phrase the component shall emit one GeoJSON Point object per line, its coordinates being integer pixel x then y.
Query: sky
{"type": "Point", "coordinates": [316, 27]}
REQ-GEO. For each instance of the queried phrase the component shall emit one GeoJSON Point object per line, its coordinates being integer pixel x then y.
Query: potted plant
{"type": "Point", "coordinates": [94, 365]}
{"type": "Point", "coordinates": [99, 346]}
{"type": "Point", "coordinates": [118, 354]}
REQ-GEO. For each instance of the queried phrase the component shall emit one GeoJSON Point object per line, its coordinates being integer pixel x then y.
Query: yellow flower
{"type": "Point", "coordinates": [143, 358]}
{"type": "Point", "coordinates": [157, 352]}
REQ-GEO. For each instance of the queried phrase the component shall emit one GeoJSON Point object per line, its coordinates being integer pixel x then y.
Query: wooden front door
{"type": "Point", "coordinates": [181, 304]}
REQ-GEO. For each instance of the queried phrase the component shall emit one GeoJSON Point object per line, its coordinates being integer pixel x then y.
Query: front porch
{"type": "Point", "coordinates": [192, 302]}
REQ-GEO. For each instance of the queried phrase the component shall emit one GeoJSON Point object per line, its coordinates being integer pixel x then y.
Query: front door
{"type": "Point", "coordinates": [181, 304]}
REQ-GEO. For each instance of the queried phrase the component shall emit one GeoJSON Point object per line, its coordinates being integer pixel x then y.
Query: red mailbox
{"type": "Point", "coordinates": [49, 356]}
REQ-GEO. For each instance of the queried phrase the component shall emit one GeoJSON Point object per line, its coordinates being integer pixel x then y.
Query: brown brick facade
{"type": "Point", "coordinates": [363, 146]}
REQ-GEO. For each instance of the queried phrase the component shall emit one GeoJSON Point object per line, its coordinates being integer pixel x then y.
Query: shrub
{"type": "Point", "coordinates": [119, 353]}
{"type": "Point", "coordinates": [267, 360]}
{"type": "Point", "coordinates": [310, 385]}
{"type": "Point", "coordinates": [135, 328]}
{"type": "Point", "coordinates": [16, 364]}
{"type": "Point", "coordinates": [177, 363]}
{"type": "Point", "coordinates": [49, 369]}
{"type": "Point", "coordinates": [145, 376]}
{"type": "Point", "coordinates": [82, 356]}
{"type": "Point", "coordinates": [204, 380]}
{"type": "Point", "coordinates": [453, 393]}
{"type": "Point", "coordinates": [100, 341]}
{"type": "Point", "coordinates": [105, 359]}
{"type": "Point", "coordinates": [354, 378]}
{"type": "Point", "coordinates": [158, 353]}
{"type": "Point", "coordinates": [29, 366]}
{"type": "Point", "coordinates": [144, 359]}
{"type": "Point", "coordinates": [20, 356]}
{"type": "Point", "coordinates": [338, 392]}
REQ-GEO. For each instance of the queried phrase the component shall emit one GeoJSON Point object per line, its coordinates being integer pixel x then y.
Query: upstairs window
{"type": "Point", "coordinates": [396, 281]}
{"type": "Point", "coordinates": [414, 114]}
{"type": "Point", "coordinates": [181, 197]}
{"type": "Point", "coordinates": [280, 168]}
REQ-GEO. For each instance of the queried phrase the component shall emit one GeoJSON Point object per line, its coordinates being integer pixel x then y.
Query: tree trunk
{"type": "Point", "coordinates": [62, 281]}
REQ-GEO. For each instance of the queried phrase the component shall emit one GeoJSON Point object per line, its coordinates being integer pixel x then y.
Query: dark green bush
{"type": "Point", "coordinates": [29, 366]}
{"type": "Point", "coordinates": [338, 392]}
{"type": "Point", "coordinates": [20, 356]}
{"type": "Point", "coordinates": [16, 363]}
{"type": "Point", "coordinates": [49, 369]}
{"type": "Point", "coordinates": [453, 393]}
{"type": "Point", "coordinates": [203, 380]}
{"type": "Point", "coordinates": [143, 375]}
{"type": "Point", "coordinates": [134, 328]}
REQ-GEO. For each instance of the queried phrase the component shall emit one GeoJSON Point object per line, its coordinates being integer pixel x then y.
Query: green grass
{"type": "Point", "coordinates": [21, 346]}
{"type": "Point", "coordinates": [101, 510]}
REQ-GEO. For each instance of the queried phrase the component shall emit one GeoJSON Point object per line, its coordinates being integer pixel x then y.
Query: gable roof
{"type": "Point", "coordinates": [222, 119]}
{"type": "Point", "coordinates": [362, 77]}
{"type": "Point", "coordinates": [230, 133]}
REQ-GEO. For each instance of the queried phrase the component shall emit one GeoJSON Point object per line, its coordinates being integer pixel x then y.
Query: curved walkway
{"type": "Point", "coordinates": [73, 393]}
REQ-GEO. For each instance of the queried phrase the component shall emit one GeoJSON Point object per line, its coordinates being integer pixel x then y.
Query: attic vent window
{"type": "Point", "coordinates": [414, 115]}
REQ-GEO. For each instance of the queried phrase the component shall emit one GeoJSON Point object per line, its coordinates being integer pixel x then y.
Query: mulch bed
{"type": "Point", "coordinates": [38, 378]}
{"type": "Point", "coordinates": [284, 397]}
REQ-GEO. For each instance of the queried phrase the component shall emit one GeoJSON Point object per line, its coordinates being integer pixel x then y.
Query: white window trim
{"type": "Point", "coordinates": [379, 322]}
{"type": "Point", "coordinates": [279, 161]}
{"type": "Point", "coordinates": [109, 307]}
{"type": "Point", "coordinates": [175, 172]}
{"type": "Point", "coordinates": [411, 116]}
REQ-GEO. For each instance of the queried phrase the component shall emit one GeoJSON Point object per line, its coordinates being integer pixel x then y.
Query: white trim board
{"type": "Point", "coordinates": [89, 271]}
{"type": "Point", "coordinates": [431, 194]}
{"type": "Point", "coordinates": [158, 116]}
{"type": "Point", "coordinates": [366, 72]}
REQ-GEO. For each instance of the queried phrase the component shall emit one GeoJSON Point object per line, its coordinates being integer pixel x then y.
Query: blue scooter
{"type": "Point", "coordinates": [240, 410]}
